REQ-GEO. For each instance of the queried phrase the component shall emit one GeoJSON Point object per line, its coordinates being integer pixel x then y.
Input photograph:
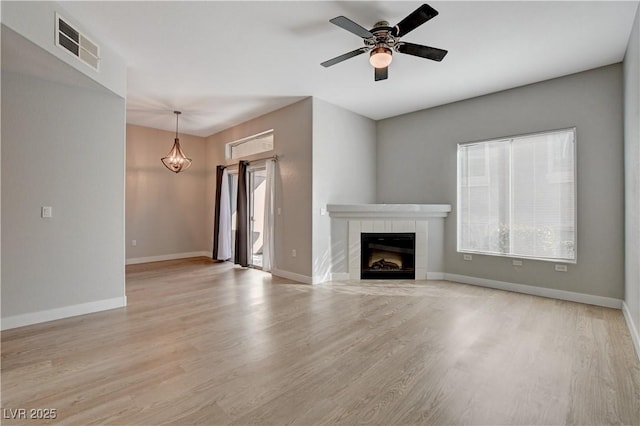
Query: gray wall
{"type": "Point", "coordinates": [417, 164]}
{"type": "Point", "coordinates": [632, 176]}
{"type": "Point", "coordinates": [344, 172]}
{"type": "Point", "coordinates": [292, 140]}
{"type": "Point", "coordinates": [62, 146]}
{"type": "Point", "coordinates": [165, 211]}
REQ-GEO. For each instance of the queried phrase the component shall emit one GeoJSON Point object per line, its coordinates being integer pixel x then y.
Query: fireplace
{"type": "Point", "coordinates": [386, 256]}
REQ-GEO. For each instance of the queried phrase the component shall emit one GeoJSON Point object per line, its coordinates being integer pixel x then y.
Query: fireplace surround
{"type": "Point", "coordinates": [349, 221]}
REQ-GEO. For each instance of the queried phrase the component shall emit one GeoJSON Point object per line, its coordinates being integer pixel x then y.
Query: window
{"type": "Point", "coordinates": [256, 144]}
{"type": "Point", "coordinates": [517, 196]}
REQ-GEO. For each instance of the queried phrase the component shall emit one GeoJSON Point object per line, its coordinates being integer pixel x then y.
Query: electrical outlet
{"type": "Point", "coordinates": [134, 242]}
{"type": "Point", "coordinates": [467, 257]}
{"type": "Point", "coordinates": [517, 262]}
{"type": "Point", "coordinates": [47, 211]}
{"type": "Point", "coordinates": [561, 268]}
{"type": "Point", "coordinates": [294, 253]}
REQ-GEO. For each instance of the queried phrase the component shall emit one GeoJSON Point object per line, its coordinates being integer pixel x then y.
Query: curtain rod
{"type": "Point", "coordinates": [273, 157]}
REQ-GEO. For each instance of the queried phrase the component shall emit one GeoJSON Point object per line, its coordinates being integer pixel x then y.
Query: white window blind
{"type": "Point", "coordinates": [517, 196]}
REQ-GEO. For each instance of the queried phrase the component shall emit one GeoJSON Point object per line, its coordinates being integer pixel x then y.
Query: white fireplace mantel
{"type": "Point", "coordinates": [388, 211]}
{"type": "Point", "coordinates": [425, 220]}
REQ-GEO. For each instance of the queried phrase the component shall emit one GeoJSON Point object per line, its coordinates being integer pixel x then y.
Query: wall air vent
{"type": "Point", "coordinates": [76, 43]}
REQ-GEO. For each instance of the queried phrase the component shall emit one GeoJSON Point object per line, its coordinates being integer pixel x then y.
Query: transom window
{"type": "Point", "coordinates": [517, 196]}
{"type": "Point", "coordinates": [256, 144]}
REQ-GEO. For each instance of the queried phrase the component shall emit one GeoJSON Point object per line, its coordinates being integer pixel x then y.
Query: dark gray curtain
{"type": "Point", "coordinates": [242, 219]}
{"type": "Point", "coordinates": [216, 217]}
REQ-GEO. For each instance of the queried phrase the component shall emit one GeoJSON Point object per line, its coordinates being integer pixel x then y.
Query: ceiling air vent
{"type": "Point", "coordinates": [76, 43]}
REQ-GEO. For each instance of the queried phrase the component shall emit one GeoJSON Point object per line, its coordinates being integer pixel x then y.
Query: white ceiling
{"type": "Point", "coordinates": [223, 63]}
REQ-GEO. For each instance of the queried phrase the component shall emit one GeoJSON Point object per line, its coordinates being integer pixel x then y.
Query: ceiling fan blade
{"type": "Point", "coordinates": [344, 57]}
{"type": "Point", "coordinates": [349, 25]}
{"type": "Point", "coordinates": [414, 20]}
{"type": "Point", "coordinates": [422, 51]}
{"type": "Point", "coordinates": [381, 73]}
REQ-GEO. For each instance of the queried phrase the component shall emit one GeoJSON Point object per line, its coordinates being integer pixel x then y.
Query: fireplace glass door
{"type": "Point", "coordinates": [387, 256]}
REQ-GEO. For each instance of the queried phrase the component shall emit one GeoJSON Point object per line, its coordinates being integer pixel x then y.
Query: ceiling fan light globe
{"type": "Point", "coordinates": [380, 57]}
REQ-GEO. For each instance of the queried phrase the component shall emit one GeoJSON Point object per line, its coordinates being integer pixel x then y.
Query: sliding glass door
{"type": "Point", "coordinates": [257, 187]}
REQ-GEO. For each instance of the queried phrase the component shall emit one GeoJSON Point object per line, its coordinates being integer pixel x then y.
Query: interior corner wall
{"type": "Point", "coordinates": [632, 180]}
{"type": "Point", "coordinates": [165, 211]}
{"type": "Point", "coordinates": [292, 143]}
{"type": "Point", "coordinates": [70, 156]}
{"type": "Point", "coordinates": [344, 172]}
{"type": "Point", "coordinates": [416, 163]}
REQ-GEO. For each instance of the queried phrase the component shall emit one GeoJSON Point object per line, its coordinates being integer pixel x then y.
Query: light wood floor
{"type": "Point", "coordinates": [211, 344]}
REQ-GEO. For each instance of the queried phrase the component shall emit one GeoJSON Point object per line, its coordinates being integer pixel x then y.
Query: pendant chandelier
{"type": "Point", "coordinates": [175, 160]}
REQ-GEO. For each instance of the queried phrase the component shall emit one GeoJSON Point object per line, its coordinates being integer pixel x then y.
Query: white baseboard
{"type": "Point", "coordinates": [292, 276]}
{"type": "Point", "coordinates": [64, 312]}
{"type": "Point", "coordinates": [632, 328]}
{"type": "Point", "coordinates": [435, 275]}
{"type": "Point", "coordinates": [607, 302]}
{"type": "Point", "coordinates": [136, 260]}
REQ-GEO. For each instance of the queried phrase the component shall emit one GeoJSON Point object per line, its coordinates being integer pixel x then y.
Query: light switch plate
{"type": "Point", "coordinates": [47, 211]}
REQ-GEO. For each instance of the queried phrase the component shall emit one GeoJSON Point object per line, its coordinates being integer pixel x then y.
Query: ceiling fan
{"type": "Point", "coordinates": [382, 40]}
